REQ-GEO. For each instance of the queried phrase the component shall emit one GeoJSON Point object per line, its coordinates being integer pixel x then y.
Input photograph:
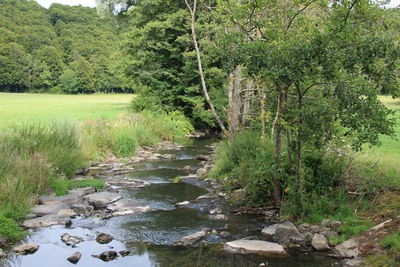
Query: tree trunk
{"type": "Point", "coordinates": [192, 11]}
{"type": "Point", "coordinates": [235, 88]}
{"type": "Point", "coordinates": [278, 150]}
{"type": "Point", "coordinates": [299, 147]}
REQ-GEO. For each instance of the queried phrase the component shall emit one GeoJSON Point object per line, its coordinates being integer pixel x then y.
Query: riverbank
{"type": "Point", "coordinates": [153, 217]}
{"type": "Point", "coordinates": [38, 156]}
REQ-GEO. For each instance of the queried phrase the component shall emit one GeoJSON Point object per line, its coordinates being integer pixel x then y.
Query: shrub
{"type": "Point", "coordinates": [10, 229]}
{"type": "Point", "coordinates": [124, 142]}
{"type": "Point", "coordinates": [61, 187]}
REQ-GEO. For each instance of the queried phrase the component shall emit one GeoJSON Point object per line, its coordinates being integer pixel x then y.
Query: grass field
{"type": "Point", "coordinates": [20, 108]}
{"type": "Point", "coordinates": [388, 154]}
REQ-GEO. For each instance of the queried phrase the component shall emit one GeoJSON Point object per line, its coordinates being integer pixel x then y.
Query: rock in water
{"type": "Point", "coordinates": [102, 199]}
{"type": "Point", "coordinates": [108, 255]}
{"type": "Point", "coordinates": [71, 240]}
{"type": "Point", "coordinates": [320, 242]}
{"type": "Point", "coordinates": [75, 258]}
{"type": "Point", "coordinates": [26, 248]}
{"type": "Point", "coordinates": [103, 238]}
{"type": "Point", "coordinates": [255, 247]}
{"type": "Point", "coordinates": [191, 239]}
{"type": "Point", "coordinates": [287, 233]}
{"type": "Point", "coordinates": [47, 221]}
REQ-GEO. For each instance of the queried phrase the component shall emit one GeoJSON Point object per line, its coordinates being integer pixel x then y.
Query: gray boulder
{"type": "Point", "coordinates": [83, 209]}
{"type": "Point", "coordinates": [102, 199]}
{"type": "Point", "coordinates": [255, 247]}
{"type": "Point", "coordinates": [320, 242]}
{"type": "Point", "coordinates": [66, 200]}
{"type": "Point", "coordinates": [47, 221]}
{"type": "Point", "coordinates": [126, 207]}
{"type": "Point", "coordinates": [25, 249]}
{"type": "Point", "coordinates": [42, 210]}
{"type": "Point", "coordinates": [283, 233]}
{"type": "Point", "coordinates": [191, 239]}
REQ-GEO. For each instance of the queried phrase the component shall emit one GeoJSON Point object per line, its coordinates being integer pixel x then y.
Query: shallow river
{"type": "Point", "coordinates": [150, 235]}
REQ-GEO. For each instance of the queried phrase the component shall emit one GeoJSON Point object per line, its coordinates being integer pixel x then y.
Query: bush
{"type": "Point", "coordinates": [124, 142]}
{"type": "Point", "coordinates": [10, 229]}
{"type": "Point", "coordinates": [247, 163]}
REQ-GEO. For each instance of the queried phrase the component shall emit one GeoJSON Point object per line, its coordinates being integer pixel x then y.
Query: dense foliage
{"type": "Point", "coordinates": [60, 49]}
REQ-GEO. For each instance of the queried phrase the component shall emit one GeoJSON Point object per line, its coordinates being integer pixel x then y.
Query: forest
{"type": "Point", "coordinates": [302, 96]}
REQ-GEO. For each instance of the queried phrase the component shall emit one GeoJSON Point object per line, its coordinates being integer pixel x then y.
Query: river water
{"type": "Point", "coordinates": [150, 235]}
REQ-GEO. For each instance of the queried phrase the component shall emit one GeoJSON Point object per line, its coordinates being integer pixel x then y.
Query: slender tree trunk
{"type": "Point", "coordinates": [235, 88]}
{"type": "Point", "coordinates": [262, 104]}
{"type": "Point", "coordinates": [192, 11]}
{"type": "Point", "coordinates": [289, 149]}
{"type": "Point", "coordinates": [299, 147]}
{"type": "Point", "coordinates": [278, 150]}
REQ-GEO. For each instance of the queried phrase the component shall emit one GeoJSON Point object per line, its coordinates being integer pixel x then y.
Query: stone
{"type": "Point", "coordinates": [103, 238]}
{"type": "Point", "coordinates": [126, 207]}
{"type": "Point", "coordinates": [75, 258]}
{"type": "Point", "coordinates": [201, 172]}
{"type": "Point", "coordinates": [238, 195]}
{"type": "Point", "coordinates": [219, 217]}
{"type": "Point", "coordinates": [304, 227]}
{"type": "Point", "coordinates": [42, 210]}
{"type": "Point", "coordinates": [329, 234]}
{"type": "Point", "coordinates": [181, 204]}
{"type": "Point", "coordinates": [30, 216]}
{"type": "Point", "coordinates": [108, 255]}
{"type": "Point", "coordinates": [66, 200]}
{"type": "Point", "coordinates": [71, 240]}
{"type": "Point", "coordinates": [287, 233]}
{"type": "Point", "coordinates": [270, 231]}
{"type": "Point", "coordinates": [83, 209]}
{"type": "Point", "coordinates": [124, 253]}
{"type": "Point", "coordinates": [336, 224]}
{"type": "Point", "coordinates": [25, 249]}
{"type": "Point", "coordinates": [2, 254]}
{"type": "Point", "coordinates": [283, 233]}
{"type": "Point", "coordinates": [191, 239]}
{"type": "Point", "coordinates": [320, 242]}
{"type": "Point", "coordinates": [102, 199]}
{"type": "Point", "coordinates": [255, 247]}
{"type": "Point", "coordinates": [216, 211]}
{"type": "Point", "coordinates": [203, 157]}
{"type": "Point", "coordinates": [354, 263]}
{"type": "Point", "coordinates": [225, 234]}
{"type": "Point", "coordinates": [67, 212]}
{"type": "Point", "coordinates": [83, 191]}
{"type": "Point", "coordinates": [47, 221]}
{"type": "Point", "coordinates": [347, 249]}
{"type": "Point", "coordinates": [325, 222]}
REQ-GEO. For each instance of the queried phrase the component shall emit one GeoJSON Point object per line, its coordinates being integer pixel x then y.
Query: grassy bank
{"type": "Point", "coordinates": [358, 189]}
{"type": "Point", "coordinates": [37, 155]}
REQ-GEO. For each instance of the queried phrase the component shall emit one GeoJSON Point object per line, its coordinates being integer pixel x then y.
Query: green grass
{"type": "Point", "coordinates": [387, 156]}
{"type": "Point", "coordinates": [61, 187]}
{"type": "Point", "coordinates": [19, 108]}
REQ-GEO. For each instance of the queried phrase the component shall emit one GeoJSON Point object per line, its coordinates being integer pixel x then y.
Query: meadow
{"type": "Point", "coordinates": [23, 107]}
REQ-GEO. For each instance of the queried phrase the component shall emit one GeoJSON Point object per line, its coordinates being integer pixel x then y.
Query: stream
{"type": "Point", "coordinates": [150, 235]}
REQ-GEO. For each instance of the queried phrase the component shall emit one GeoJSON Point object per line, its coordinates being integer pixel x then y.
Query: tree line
{"type": "Point", "coordinates": [62, 49]}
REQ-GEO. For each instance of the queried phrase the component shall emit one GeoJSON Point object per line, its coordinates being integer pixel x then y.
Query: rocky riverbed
{"type": "Point", "coordinates": [148, 217]}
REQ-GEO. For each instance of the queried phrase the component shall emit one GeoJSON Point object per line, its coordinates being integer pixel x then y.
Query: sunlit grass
{"type": "Point", "coordinates": [18, 108]}
{"type": "Point", "coordinates": [385, 159]}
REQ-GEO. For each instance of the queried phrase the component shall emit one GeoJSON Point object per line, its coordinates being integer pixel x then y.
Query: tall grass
{"type": "Point", "coordinates": [34, 157]}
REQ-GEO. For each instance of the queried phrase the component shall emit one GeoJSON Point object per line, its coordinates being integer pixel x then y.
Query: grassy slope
{"type": "Point", "coordinates": [19, 108]}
